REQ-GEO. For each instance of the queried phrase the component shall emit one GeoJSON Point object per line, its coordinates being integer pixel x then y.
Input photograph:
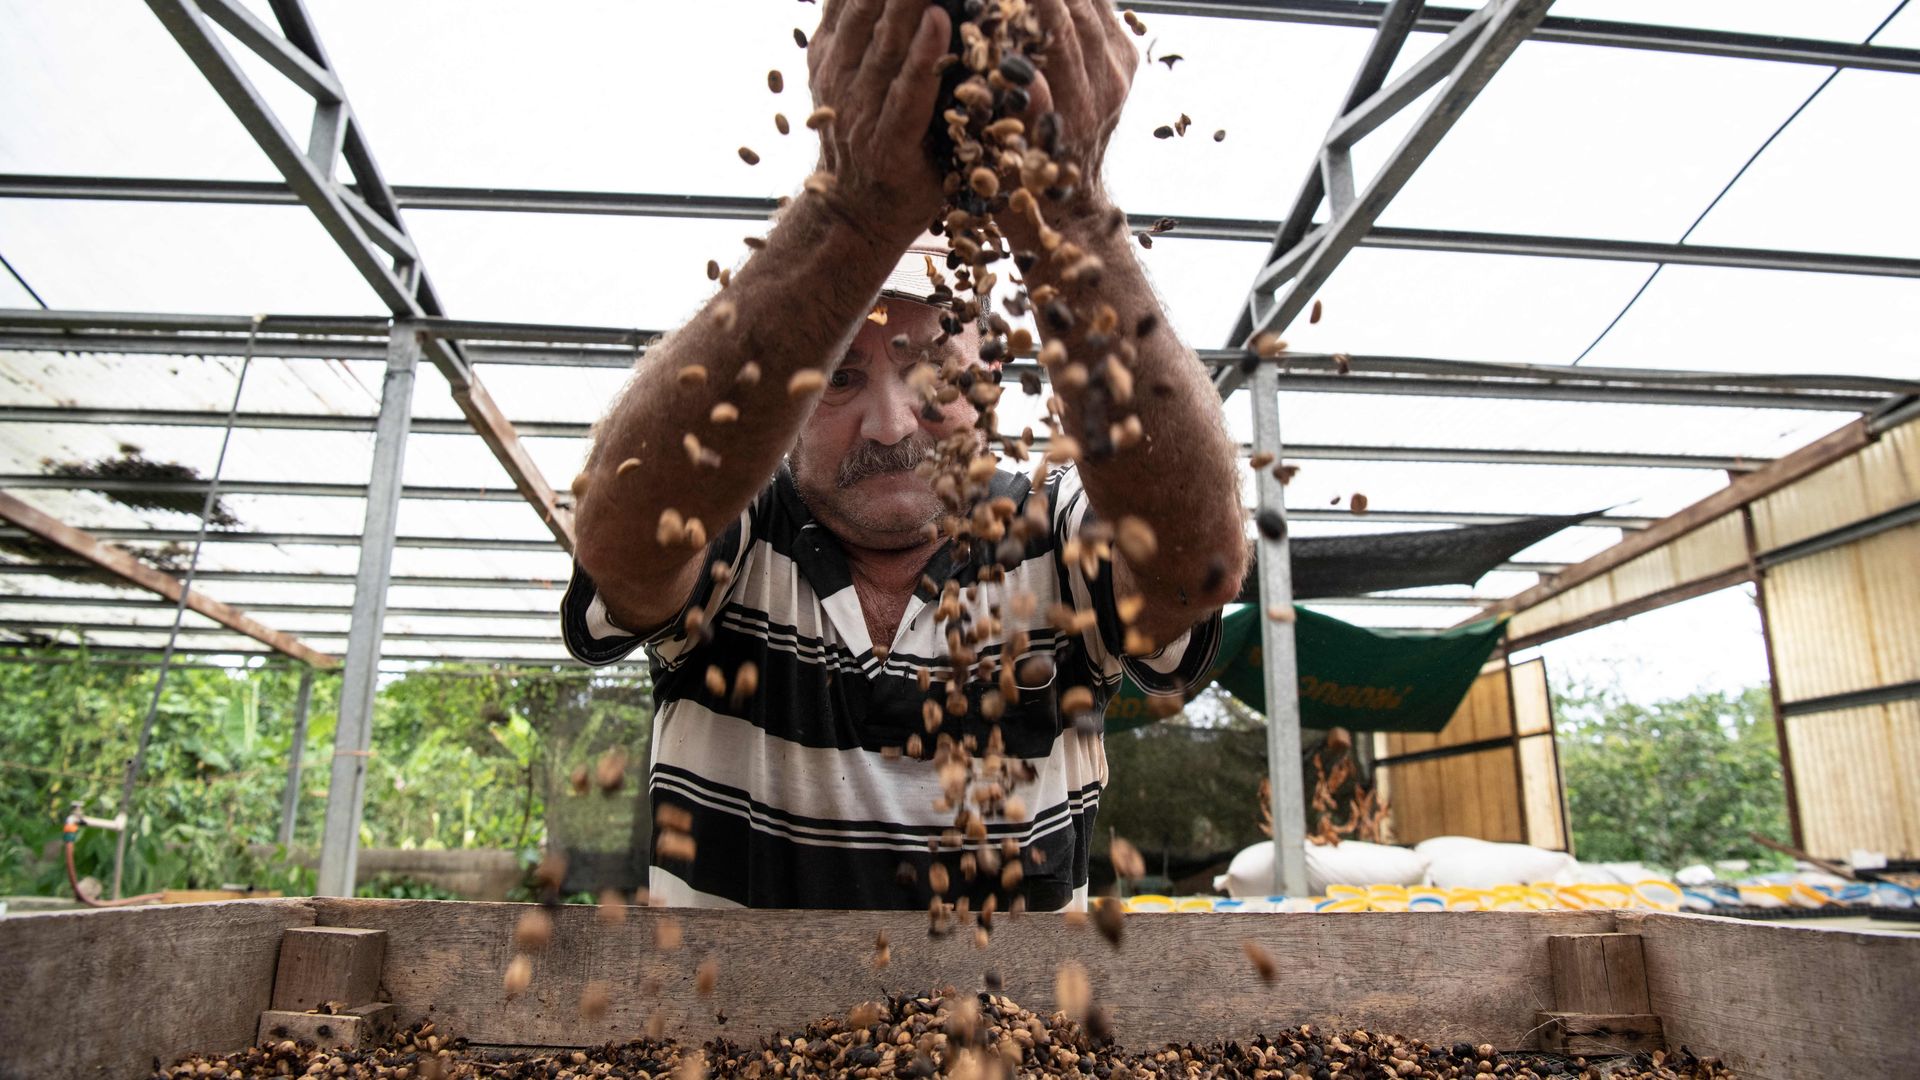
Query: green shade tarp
{"type": "Point", "coordinates": [1350, 676]}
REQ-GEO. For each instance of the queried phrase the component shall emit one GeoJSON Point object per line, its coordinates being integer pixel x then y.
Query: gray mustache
{"type": "Point", "coordinates": [872, 459]}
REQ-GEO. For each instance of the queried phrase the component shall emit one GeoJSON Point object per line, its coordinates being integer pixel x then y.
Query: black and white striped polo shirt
{"type": "Point", "coordinates": [796, 798]}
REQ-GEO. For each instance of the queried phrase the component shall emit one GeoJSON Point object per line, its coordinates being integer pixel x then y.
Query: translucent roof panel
{"type": "Point", "coordinates": [1540, 151]}
{"type": "Point", "coordinates": [181, 257]}
{"type": "Point", "coordinates": [1839, 178]}
{"type": "Point", "coordinates": [1461, 306]}
{"type": "Point", "coordinates": [100, 88]}
{"type": "Point", "coordinates": [13, 293]}
{"type": "Point", "coordinates": [1903, 32]}
{"type": "Point", "coordinates": [1503, 423]}
{"type": "Point", "coordinates": [1724, 319]}
{"type": "Point", "coordinates": [192, 383]}
{"type": "Point", "coordinates": [626, 97]}
{"type": "Point", "coordinates": [648, 273]}
{"type": "Point", "coordinates": [1840, 20]}
{"type": "Point", "coordinates": [1202, 284]}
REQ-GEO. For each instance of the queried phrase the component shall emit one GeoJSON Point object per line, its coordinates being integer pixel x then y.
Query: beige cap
{"type": "Point", "coordinates": [921, 274]}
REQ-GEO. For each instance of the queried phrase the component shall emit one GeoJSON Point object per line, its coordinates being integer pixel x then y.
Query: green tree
{"type": "Point", "coordinates": [461, 759]}
{"type": "Point", "coordinates": [1186, 790]}
{"type": "Point", "coordinates": [1671, 782]}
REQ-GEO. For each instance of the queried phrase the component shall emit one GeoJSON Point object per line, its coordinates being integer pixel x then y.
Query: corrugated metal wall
{"type": "Point", "coordinates": [1844, 624]}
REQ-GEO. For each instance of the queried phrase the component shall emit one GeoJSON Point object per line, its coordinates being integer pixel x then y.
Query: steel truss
{"type": "Point", "coordinates": [505, 343]}
{"type": "Point", "coordinates": [363, 220]}
{"type": "Point", "coordinates": [717, 207]}
{"type": "Point", "coordinates": [551, 429]}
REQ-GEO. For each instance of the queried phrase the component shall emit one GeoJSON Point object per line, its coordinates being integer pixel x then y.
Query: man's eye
{"type": "Point", "coordinates": [841, 380]}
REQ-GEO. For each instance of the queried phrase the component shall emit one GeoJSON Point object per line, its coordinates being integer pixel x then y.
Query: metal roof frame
{"type": "Point", "coordinates": [364, 219]}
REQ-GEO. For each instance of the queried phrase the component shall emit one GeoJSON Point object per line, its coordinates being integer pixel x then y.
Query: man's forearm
{"type": "Point", "coordinates": [708, 413]}
{"type": "Point", "coordinates": [1177, 471]}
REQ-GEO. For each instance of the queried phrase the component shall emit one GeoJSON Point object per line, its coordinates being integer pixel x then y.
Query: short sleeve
{"type": "Point", "coordinates": [1178, 664]}
{"type": "Point", "coordinates": [592, 637]}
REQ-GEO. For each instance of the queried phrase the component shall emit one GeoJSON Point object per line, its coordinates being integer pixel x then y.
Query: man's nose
{"type": "Point", "coordinates": [892, 411]}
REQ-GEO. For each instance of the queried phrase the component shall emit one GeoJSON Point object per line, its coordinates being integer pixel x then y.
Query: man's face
{"type": "Point", "coordinates": [854, 460]}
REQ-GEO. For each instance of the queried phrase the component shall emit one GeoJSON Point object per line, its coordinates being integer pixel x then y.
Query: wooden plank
{"type": "Point", "coordinates": [1597, 973]}
{"type": "Point", "coordinates": [1776, 1002]}
{"type": "Point", "coordinates": [121, 563]}
{"type": "Point", "coordinates": [1532, 701]}
{"type": "Point", "coordinates": [361, 1026]}
{"type": "Point", "coordinates": [1741, 491]}
{"type": "Point", "coordinates": [1540, 775]}
{"type": "Point", "coordinates": [1593, 1035]}
{"type": "Point", "coordinates": [103, 993]}
{"type": "Point", "coordinates": [1442, 976]}
{"type": "Point", "coordinates": [323, 964]}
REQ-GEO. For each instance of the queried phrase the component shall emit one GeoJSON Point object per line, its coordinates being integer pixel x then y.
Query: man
{"type": "Point", "coordinates": [791, 624]}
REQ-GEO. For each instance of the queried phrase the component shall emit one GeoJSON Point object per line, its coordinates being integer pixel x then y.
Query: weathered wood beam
{"type": "Point", "coordinates": [122, 564]}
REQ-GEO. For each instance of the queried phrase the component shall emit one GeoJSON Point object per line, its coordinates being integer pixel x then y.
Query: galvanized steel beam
{"type": "Point", "coordinates": [340, 840]}
{"type": "Point", "coordinates": [1563, 30]}
{"type": "Point", "coordinates": [1279, 665]}
{"type": "Point", "coordinates": [1462, 64]}
{"type": "Point", "coordinates": [1246, 230]}
{"type": "Point", "coordinates": [45, 415]}
{"type": "Point", "coordinates": [137, 574]}
{"type": "Point", "coordinates": [364, 222]}
{"type": "Point", "coordinates": [476, 494]}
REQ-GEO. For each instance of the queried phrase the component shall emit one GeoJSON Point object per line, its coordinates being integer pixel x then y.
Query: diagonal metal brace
{"type": "Point", "coordinates": [363, 221]}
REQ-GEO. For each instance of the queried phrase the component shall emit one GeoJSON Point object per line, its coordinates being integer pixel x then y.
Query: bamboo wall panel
{"type": "Point", "coordinates": [1857, 779]}
{"type": "Point", "coordinates": [1717, 546]}
{"type": "Point", "coordinates": [1472, 794]}
{"type": "Point", "coordinates": [1467, 794]}
{"type": "Point", "coordinates": [1713, 548]}
{"type": "Point", "coordinates": [1884, 476]}
{"type": "Point", "coordinates": [1540, 791]}
{"type": "Point", "coordinates": [1483, 714]}
{"type": "Point", "coordinates": [1847, 619]}
{"type": "Point", "coordinates": [1532, 702]}
{"type": "Point", "coordinates": [1890, 572]}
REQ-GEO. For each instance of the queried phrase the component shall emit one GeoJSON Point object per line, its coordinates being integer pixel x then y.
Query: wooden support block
{"type": "Point", "coordinates": [1594, 1035]}
{"type": "Point", "coordinates": [1602, 974]}
{"type": "Point", "coordinates": [320, 964]}
{"type": "Point", "coordinates": [361, 1026]}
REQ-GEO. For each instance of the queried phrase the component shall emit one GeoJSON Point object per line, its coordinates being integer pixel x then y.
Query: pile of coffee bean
{"type": "Point", "coordinates": [964, 1036]}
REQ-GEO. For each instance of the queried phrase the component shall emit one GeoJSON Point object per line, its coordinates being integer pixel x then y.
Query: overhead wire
{"type": "Point", "coordinates": [179, 612]}
{"type": "Point", "coordinates": [1742, 171]}
{"type": "Point", "coordinates": [23, 283]}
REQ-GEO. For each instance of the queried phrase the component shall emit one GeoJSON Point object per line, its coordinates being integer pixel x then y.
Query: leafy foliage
{"type": "Point", "coordinates": [461, 760]}
{"type": "Point", "coordinates": [1186, 790]}
{"type": "Point", "coordinates": [1672, 782]}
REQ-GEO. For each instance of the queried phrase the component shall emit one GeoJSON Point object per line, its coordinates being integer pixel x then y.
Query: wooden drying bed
{"type": "Point", "coordinates": [106, 993]}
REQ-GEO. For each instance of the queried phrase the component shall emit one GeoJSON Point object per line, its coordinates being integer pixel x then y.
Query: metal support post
{"type": "Point", "coordinates": [290, 802]}
{"type": "Point", "coordinates": [1275, 567]}
{"type": "Point", "coordinates": [340, 843]}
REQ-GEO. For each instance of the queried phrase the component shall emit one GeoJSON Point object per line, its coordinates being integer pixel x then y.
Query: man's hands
{"type": "Point", "coordinates": [1088, 71]}
{"type": "Point", "coordinates": [873, 62]}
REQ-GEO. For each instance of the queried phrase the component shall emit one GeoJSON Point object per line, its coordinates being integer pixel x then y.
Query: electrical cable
{"type": "Point", "coordinates": [23, 283]}
{"type": "Point", "coordinates": [179, 614]}
{"type": "Point", "coordinates": [1755, 156]}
